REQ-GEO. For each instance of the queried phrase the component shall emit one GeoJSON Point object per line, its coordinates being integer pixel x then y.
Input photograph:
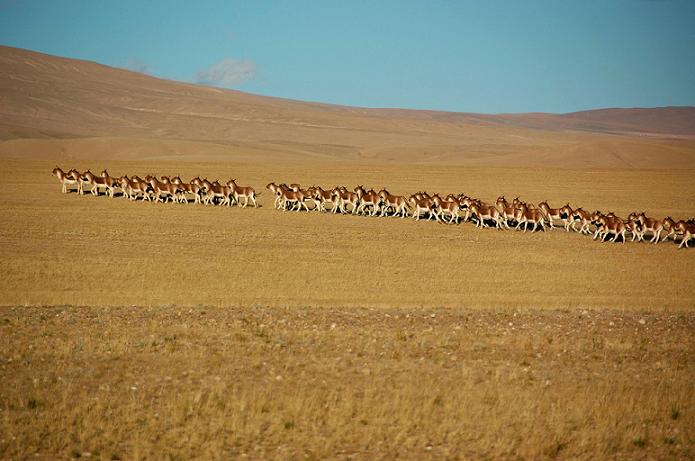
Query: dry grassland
{"type": "Point", "coordinates": [155, 331]}
{"type": "Point", "coordinates": [66, 249]}
{"type": "Point", "coordinates": [133, 330]}
{"type": "Point", "coordinates": [285, 383]}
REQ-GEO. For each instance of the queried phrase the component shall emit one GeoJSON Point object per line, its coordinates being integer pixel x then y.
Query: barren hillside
{"type": "Point", "coordinates": [53, 107]}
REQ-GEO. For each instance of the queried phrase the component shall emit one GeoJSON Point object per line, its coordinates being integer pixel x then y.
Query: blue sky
{"type": "Point", "coordinates": [483, 56]}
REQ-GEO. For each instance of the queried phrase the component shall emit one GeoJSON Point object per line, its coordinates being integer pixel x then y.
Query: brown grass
{"type": "Point", "coordinates": [288, 383]}
{"type": "Point", "coordinates": [172, 331]}
{"type": "Point", "coordinates": [66, 249]}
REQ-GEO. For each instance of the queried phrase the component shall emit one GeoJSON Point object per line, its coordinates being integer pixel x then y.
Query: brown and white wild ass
{"type": "Point", "coordinates": [70, 178]}
{"type": "Point", "coordinates": [524, 215]}
{"type": "Point", "coordinates": [245, 192]}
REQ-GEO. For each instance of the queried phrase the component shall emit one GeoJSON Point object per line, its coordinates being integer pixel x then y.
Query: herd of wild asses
{"type": "Point", "coordinates": [453, 209]}
{"type": "Point", "coordinates": [450, 209]}
{"type": "Point", "coordinates": [158, 189]}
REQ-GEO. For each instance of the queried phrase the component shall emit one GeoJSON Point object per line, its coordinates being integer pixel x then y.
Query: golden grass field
{"type": "Point", "coordinates": [336, 383]}
{"type": "Point", "coordinates": [87, 251]}
{"type": "Point", "coordinates": [133, 330]}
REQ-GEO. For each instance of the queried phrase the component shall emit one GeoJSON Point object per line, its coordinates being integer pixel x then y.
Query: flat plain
{"type": "Point", "coordinates": [134, 330]}
{"type": "Point", "coordinates": [335, 383]}
{"type": "Point", "coordinates": [86, 250]}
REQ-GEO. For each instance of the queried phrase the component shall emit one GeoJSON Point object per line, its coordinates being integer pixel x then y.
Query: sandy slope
{"type": "Point", "coordinates": [80, 109]}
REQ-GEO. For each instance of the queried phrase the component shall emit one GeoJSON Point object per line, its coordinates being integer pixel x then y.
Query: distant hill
{"type": "Point", "coordinates": [660, 121]}
{"type": "Point", "coordinates": [73, 107]}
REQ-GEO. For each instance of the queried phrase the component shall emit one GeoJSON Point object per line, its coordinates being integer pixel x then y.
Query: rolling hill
{"type": "Point", "coordinates": [54, 107]}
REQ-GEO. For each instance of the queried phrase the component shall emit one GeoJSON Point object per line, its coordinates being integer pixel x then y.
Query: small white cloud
{"type": "Point", "coordinates": [228, 72]}
{"type": "Point", "coordinates": [138, 65]}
